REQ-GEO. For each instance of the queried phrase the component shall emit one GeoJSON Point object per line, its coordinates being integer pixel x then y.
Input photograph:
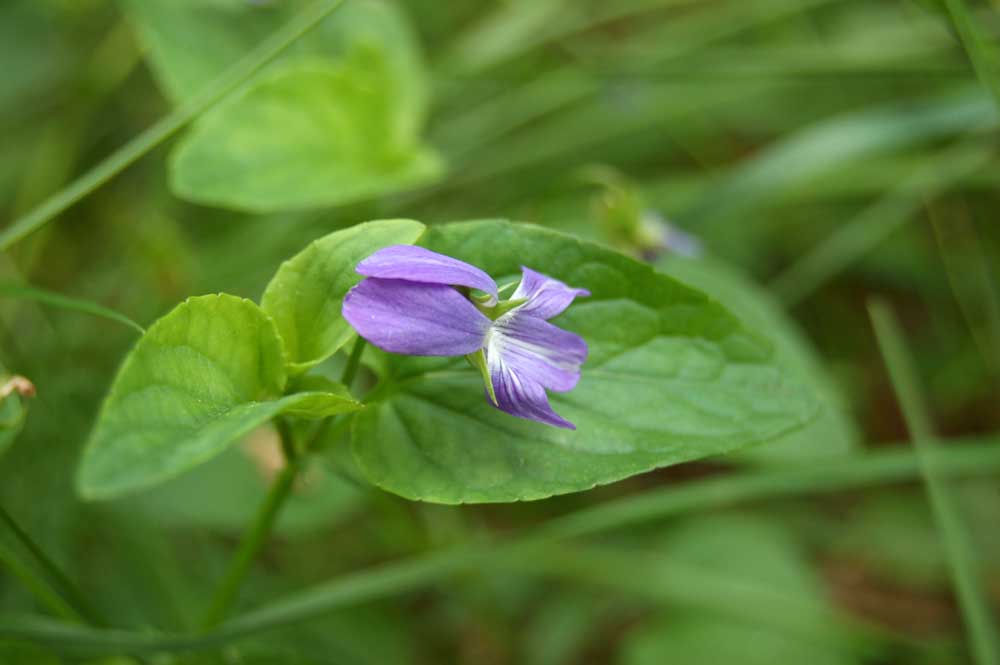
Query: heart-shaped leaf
{"type": "Point", "coordinates": [201, 378]}
{"type": "Point", "coordinates": [191, 42]}
{"type": "Point", "coordinates": [311, 135]}
{"type": "Point", "coordinates": [672, 376]}
{"type": "Point", "coordinates": [336, 119]}
{"type": "Point", "coordinates": [305, 296]}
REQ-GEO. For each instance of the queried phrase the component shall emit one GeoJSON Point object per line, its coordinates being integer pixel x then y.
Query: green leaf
{"type": "Point", "coordinates": [305, 296]}
{"type": "Point", "coordinates": [201, 378]}
{"type": "Point", "coordinates": [833, 433]}
{"type": "Point", "coordinates": [672, 376]}
{"type": "Point", "coordinates": [340, 113]}
{"type": "Point", "coordinates": [761, 564]}
{"type": "Point", "coordinates": [190, 42]}
{"type": "Point", "coordinates": [308, 136]}
{"type": "Point", "coordinates": [224, 493]}
{"type": "Point", "coordinates": [322, 405]}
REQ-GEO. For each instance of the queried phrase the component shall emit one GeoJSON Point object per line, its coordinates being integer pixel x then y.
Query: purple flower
{"type": "Point", "coordinates": [409, 304]}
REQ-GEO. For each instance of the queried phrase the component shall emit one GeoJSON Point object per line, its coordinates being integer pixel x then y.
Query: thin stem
{"type": "Point", "coordinates": [251, 543]}
{"type": "Point", "coordinates": [958, 544]}
{"type": "Point", "coordinates": [37, 587]}
{"type": "Point", "coordinates": [61, 581]}
{"type": "Point", "coordinates": [65, 302]}
{"type": "Point", "coordinates": [353, 362]}
{"type": "Point", "coordinates": [215, 92]}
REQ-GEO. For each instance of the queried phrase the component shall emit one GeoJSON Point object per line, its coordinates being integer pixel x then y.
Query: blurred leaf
{"type": "Point", "coordinates": [833, 433]}
{"type": "Point", "coordinates": [192, 41]}
{"type": "Point", "coordinates": [305, 295]}
{"type": "Point", "coordinates": [695, 640]}
{"type": "Point", "coordinates": [29, 45]}
{"type": "Point", "coordinates": [307, 136]}
{"type": "Point", "coordinates": [671, 377]}
{"type": "Point", "coordinates": [18, 653]}
{"type": "Point", "coordinates": [843, 141]}
{"type": "Point", "coordinates": [201, 378]}
{"type": "Point", "coordinates": [739, 548]}
{"type": "Point", "coordinates": [13, 411]}
{"type": "Point", "coordinates": [223, 494]}
{"type": "Point", "coordinates": [893, 536]}
{"type": "Point", "coordinates": [336, 119]}
{"type": "Point", "coordinates": [563, 627]}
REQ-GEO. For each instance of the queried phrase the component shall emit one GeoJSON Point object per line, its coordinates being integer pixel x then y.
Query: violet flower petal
{"type": "Point", "coordinates": [546, 297]}
{"type": "Point", "coordinates": [415, 319]}
{"type": "Point", "coordinates": [524, 398]}
{"type": "Point", "coordinates": [416, 264]}
{"type": "Point", "coordinates": [536, 349]}
{"type": "Point", "coordinates": [525, 355]}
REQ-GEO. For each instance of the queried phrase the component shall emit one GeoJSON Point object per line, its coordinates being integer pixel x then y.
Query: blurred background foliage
{"type": "Point", "coordinates": [791, 157]}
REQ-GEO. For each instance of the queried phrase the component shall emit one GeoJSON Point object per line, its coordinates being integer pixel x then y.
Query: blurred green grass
{"type": "Point", "coordinates": [828, 151]}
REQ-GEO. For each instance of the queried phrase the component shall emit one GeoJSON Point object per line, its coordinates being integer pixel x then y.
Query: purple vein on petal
{"type": "Point", "coordinates": [522, 397]}
{"type": "Point", "coordinates": [537, 349]}
{"type": "Point", "coordinates": [525, 355]}
{"type": "Point", "coordinates": [416, 264]}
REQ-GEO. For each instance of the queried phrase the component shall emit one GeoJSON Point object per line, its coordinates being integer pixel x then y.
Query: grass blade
{"type": "Point", "coordinates": [874, 224]}
{"type": "Point", "coordinates": [41, 591]}
{"type": "Point", "coordinates": [980, 50]}
{"type": "Point", "coordinates": [957, 541]}
{"type": "Point", "coordinates": [66, 302]}
{"type": "Point", "coordinates": [80, 608]}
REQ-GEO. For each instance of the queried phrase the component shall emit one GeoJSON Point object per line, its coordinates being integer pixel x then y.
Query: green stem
{"type": "Point", "coordinates": [37, 587]}
{"type": "Point", "coordinates": [217, 90]}
{"type": "Point", "coordinates": [59, 579]}
{"type": "Point", "coordinates": [65, 302]}
{"type": "Point", "coordinates": [250, 545]}
{"type": "Point", "coordinates": [353, 363]}
{"type": "Point", "coordinates": [958, 544]}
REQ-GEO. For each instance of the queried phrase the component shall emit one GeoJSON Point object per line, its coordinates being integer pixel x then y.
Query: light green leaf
{"type": "Point", "coordinates": [308, 136]}
{"type": "Point", "coordinates": [201, 378]}
{"type": "Point", "coordinates": [335, 120]}
{"type": "Point", "coordinates": [191, 42]}
{"type": "Point", "coordinates": [322, 405]}
{"type": "Point", "coordinates": [306, 294]}
{"type": "Point", "coordinates": [833, 433]}
{"type": "Point", "coordinates": [671, 377]}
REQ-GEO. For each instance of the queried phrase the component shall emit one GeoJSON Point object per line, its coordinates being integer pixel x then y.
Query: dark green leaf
{"type": "Point", "coordinates": [671, 377]}
{"type": "Point", "coordinates": [832, 434]}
